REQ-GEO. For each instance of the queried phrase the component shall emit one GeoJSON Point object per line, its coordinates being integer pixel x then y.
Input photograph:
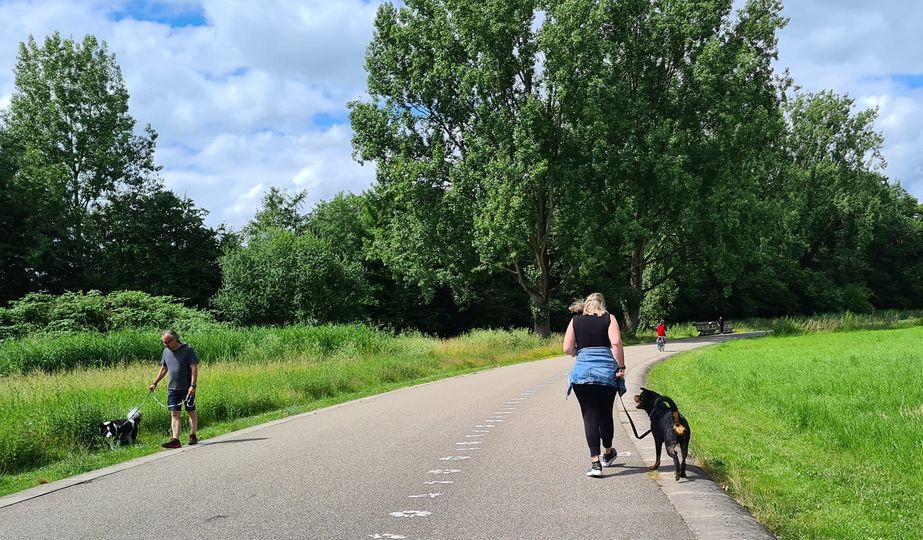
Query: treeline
{"type": "Point", "coordinates": [526, 153]}
{"type": "Point", "coordinates": [81, 203]}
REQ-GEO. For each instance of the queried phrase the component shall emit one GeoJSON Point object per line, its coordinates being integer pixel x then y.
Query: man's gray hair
{"type": "Point", "coordinates": [172, 334]}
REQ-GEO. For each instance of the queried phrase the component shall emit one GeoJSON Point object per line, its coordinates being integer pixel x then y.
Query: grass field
{"type": "Point", "coordinates": [48, 419]}
{"type": "Point", "coordinates": [820, 436]}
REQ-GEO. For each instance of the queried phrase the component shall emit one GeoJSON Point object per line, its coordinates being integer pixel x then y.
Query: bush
{"type": "Point", "coordinates": [94, 311]}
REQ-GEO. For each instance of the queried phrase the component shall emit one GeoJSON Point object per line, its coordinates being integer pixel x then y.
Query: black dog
{"type": "Point", "coordinates": [119, 432]}
{"type": "Point", "coordinates": [668, 426]}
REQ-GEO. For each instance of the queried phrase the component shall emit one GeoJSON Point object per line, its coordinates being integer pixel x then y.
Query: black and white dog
{"type": "Point", "coordinates": [119, 432]}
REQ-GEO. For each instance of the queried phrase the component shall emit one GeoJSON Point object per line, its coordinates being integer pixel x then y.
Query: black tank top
{"type": "Point", "coordinates": [592, 330]}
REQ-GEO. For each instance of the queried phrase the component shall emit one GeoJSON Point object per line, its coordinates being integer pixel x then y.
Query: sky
{"type": "Point", "coordinates": [247, 95]}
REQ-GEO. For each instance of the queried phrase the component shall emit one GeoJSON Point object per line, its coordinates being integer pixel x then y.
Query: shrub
{"type": "Point", "coordinates": [94, 311]}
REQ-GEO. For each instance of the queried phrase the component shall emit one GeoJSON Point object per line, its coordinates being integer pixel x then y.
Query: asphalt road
{"type": "Point", "coordinates": [496, 454]}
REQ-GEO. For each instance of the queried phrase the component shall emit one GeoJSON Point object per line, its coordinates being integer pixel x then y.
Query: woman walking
{"type": "Point", "coordinates": [594, 337]}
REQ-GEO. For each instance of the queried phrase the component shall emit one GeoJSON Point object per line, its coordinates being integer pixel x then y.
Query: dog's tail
{"type": "Point", "coordinates": [678, 427]}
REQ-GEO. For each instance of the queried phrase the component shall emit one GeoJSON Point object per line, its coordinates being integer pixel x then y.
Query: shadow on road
{"type": "Point", "coordinates": [205, 443]}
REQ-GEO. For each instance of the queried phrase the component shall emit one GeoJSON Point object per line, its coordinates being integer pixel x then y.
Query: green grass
{"type": "Point", "coordinates": [820, 436]}
{"type": "Point", "coordinates": [48, 419]}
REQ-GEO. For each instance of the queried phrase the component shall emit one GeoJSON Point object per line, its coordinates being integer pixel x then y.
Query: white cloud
{"type": "Point", "coordinates": [234, 101]}
{"type": "Point", "coordinates": [856, 47]}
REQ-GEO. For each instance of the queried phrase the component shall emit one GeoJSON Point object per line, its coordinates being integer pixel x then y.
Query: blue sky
{"type": "Point", "coordinates": [247, 95]}
{"type": "Point", "coordinates": [175, 15]}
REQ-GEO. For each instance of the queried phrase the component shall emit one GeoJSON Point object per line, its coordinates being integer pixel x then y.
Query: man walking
{"type": "Point", "coordinates": [180, 361]}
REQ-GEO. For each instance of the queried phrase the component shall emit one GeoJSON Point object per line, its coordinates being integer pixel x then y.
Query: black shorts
{"type": "Point", "coordinates": [177, 399]}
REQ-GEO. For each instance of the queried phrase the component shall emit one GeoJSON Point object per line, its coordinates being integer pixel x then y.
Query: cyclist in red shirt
{"type": "Point", "coordinates": [661, 335]}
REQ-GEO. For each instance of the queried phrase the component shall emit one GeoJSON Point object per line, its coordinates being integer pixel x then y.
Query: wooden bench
{"type": "Point", "coordinates": [707, 328]}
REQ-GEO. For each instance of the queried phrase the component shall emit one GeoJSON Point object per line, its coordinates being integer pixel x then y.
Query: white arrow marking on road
{"type": "Point", "coordinates": [483, 426]}
{"type": "Point", "coordinates": [454, 458]}
{"type": "Point", "coordinates": [481, 435]}
{"type": "Point", "coordinates": [444, 471]}
{"type": "Point", "coordinates": [411, 513]}
{"type": "Point", "coordinates": [430, 495]}
{"type": "Point", "coordinates": [492, 421]}
{"type": "Point", "coordinates": [480, 431]}
{"type": "Point", "coordinates": [431, 482]}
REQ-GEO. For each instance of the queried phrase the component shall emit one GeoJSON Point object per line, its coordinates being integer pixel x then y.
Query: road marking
{"type": "Point", "coordinates": [411, 513]}
{"type": "Point", "coordinates": [430, 495]}
{"type": "Point", "coordinates": [502, 412]}
{"type": "Point", "coordinates": [431, 482]}
{"type": "Point", "coordinates": [444, 471]}
{"type": "Point", "coordinates": [478, 435]}
{"type": "Point", "coordinates": [481, 430]}
{"type": "Point", "coordinates": [386, 535]}
{"type": "Point", "coordinates": [482, 426]}
{"type": "Point", "coordinates": [492, 421]}
{"type": "Point", "coordinates": [468, 442]}
{"type": "Point", "coordinates": [454, 458]}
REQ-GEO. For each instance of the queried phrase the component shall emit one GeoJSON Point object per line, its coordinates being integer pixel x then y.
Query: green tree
{"type": "Point", "coordinates": [468, 135]}
{"type": "Point", "coordinates": [18, 232]}
{"type": "Point", "coordinates": [833, 193]}
{"type": "Point", "coordinates": [686, 113]}
{"type": "Point", "coordinates": [69, 113]}
{"type": "Point", "coordinates": [282, 272]}
{"type": "Point", "coordinates": [278, 210]}
{"type": "Point", "coordinates": [156, 242]}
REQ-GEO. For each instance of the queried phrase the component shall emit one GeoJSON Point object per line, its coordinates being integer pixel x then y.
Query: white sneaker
{"type": "Point", "coordinates": [596, 469]}
{"type": "Point", "coordinates": [609, 460]}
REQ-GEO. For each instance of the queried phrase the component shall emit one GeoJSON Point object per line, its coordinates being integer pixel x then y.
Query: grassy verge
{"type": "Point", "coordinates": [48, 420]}
{"type": "Point", "coordinates": [820, 436]}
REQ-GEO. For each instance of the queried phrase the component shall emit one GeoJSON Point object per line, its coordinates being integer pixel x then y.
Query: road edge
{"type": "Point", "coordinates": [709, 512]}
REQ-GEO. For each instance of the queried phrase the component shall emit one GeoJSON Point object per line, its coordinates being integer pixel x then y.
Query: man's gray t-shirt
{"type": "Point", "coordinates": [178, 363]}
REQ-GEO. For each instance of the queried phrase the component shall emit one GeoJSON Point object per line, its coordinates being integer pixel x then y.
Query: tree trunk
{"type": "Point", "coordinates": [541, 315]}
{"type": "Point", "coordinates": [632, 303]}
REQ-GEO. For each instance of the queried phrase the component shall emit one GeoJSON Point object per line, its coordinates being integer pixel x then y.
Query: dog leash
{"type": "Point", "coordinates": [630, 421]}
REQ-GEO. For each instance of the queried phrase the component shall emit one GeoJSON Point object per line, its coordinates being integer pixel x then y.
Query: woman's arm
{"type": "Point", "coordinates": [615, 338]}
{"type": "Point", "coordinates": [570, 340]}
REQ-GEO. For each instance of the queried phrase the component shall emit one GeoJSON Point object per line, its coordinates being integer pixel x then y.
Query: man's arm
{"type": "Point", "coordinates": [195, 376]}
{"type": "Point", "coordinates": [160, 375]}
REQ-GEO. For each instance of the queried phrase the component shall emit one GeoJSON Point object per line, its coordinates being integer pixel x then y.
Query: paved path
{"type": "Point", "coordinates": [496, 454]}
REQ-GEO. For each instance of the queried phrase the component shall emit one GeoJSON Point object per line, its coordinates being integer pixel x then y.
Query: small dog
{"type": "Point", "coordinates": [119, 432]}
{"type": "Point", "coordinates": [668, 426]}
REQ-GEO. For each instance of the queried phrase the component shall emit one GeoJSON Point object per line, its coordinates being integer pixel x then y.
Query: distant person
{"type": "Point", "coordinates": [720, 325]}
{"type": "Point", "coordinates": [180, 361]}
{"type": "Point", "coordinates": [599, 371]}
{"type": "Point", "coordinates": [661, 335]}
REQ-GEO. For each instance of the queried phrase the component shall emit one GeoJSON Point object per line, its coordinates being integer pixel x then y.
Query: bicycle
{"type": "Point", "coordinates": [661, 343]}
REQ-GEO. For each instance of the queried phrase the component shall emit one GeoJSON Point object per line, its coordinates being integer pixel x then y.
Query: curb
{"type": "Point", "coordinates": [709, 512]}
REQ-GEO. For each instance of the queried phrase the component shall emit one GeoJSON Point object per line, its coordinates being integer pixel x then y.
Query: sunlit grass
{"type": "Point", "coordinates": [48, 420]}
{"type": "Point", "coordinates": [820, 436]}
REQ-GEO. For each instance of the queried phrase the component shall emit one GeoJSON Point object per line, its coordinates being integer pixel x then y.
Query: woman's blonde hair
{"type": "Point", "coordinates": [594, 304]}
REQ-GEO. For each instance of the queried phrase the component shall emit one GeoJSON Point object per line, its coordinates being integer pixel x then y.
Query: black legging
{"type": "Point", "coordinates": [596, 405]}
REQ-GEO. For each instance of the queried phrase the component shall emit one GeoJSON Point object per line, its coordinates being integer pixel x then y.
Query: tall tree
{"type": "Point", "coordinates": [468, 136]}
{"type": "Point", "coordinates": [69, 112]}
{"type": "Point", "coordinates": [688, 115]}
